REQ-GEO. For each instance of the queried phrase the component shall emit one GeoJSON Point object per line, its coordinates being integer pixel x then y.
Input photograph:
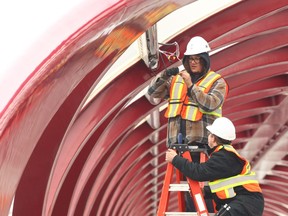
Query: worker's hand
{"type": "Point", "coordinates": [172, 71]}
{"type": "Point", "coordinates": [170, 154]}
{"type": "Point", "coordinates": [186, 77]}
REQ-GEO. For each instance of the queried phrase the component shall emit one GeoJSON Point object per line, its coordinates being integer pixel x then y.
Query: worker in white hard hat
{"type": "Point", "coordinates": [195, 95]}
{"type": "Point", "coordinates": [233, 186]}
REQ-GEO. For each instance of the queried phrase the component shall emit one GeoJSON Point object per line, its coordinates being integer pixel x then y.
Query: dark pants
{"type": "Point", "coordinates": [247, 205]}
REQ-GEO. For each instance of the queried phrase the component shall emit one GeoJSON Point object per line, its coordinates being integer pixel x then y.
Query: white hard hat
{"type": "Point", "coordinates": [196, 46]}
{"type": "Point", "coordinates": [223, 128]}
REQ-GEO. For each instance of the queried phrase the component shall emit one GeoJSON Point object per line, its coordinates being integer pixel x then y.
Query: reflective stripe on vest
{"type": "Point", "coordinates": [181, 104]}
{"type": "Point", "coordinates": [224, 188]}
{"type": "Point", "coordinates": [179, 91]}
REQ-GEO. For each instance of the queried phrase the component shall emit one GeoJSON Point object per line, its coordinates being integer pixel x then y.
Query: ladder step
{"type": "Point", "coordinates": [186, 214]}
{"type": "Point", "coordinates": [179, 187]}
{"type": "Point", "coordinates": [181, 213]}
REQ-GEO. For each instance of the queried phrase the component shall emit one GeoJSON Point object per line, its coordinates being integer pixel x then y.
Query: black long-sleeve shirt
{"type": "Point", "coordinates": [221, 164]}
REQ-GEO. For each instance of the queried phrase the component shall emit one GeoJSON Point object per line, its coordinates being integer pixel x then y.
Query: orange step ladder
{"type": "Point", "coordinates": [193, 186]}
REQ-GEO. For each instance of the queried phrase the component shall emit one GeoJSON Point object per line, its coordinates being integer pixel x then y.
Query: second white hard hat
{"type": "Point", "coordinates": [196, 46]}
{"type": "Point", "coordinates": [223, 128]}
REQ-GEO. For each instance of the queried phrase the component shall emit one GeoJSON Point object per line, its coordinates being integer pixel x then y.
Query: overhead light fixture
{"type": "Point", "coordinates": [148, 44]}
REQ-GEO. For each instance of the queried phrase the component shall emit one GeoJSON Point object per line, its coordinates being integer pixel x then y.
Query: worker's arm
{"type": "Point", "coordinates": [213, 99]}
{"type": "Point", "coordinates": [221, 164]}
{"type": "Point", "coordinates": [160, 85]}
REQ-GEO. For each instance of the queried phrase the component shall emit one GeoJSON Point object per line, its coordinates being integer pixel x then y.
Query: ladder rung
{"type": "Point", "coordinates": [179, 187]}
{"type": "Point", "coordinates": [181, 213]}
{"type": "Point", "coordinates": [185, 214]}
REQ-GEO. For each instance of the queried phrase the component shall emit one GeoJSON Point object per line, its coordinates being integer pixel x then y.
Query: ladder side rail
{"type": "Point", "coordinates": [204, 158]}
{"type": "Point", "coordinates": [196, 192]}
{"type": "Point", "coordinates": [164, 199]}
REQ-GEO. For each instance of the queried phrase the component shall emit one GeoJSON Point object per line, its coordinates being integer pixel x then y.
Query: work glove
{"type": "Point", "coordinates": [172, 71]}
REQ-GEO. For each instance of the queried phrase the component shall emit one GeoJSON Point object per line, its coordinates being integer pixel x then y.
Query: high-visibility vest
{"type": "Point", "coordinates": [181, 104]}
{"type": "Point", "coordinates": [224, 188]}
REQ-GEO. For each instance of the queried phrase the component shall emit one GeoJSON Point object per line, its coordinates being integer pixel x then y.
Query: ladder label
{"type": "Point", "coordinates": [200, 202]}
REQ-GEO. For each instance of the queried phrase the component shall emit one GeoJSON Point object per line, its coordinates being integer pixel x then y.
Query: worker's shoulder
{"type": "Point", "coordinates": [225, 151]}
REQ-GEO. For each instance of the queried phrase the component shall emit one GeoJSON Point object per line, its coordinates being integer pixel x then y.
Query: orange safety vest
{"type": "Point", "coordinates": [224, 188]}
{"type": "Point", "coordinates": [181, 104]}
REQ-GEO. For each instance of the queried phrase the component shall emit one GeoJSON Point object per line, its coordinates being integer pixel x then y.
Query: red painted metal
{"type": "Point", "coordinates": [132, 141]}
{"type": "Point", "coordinates": [60, 158]}
{"type": "Point", "coordinates": [272, 21]}
{"type": "Point", "coordinates": [95, 115]}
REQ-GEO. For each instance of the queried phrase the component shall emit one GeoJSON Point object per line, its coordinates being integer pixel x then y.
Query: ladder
{"type": "Point", "coordinates": [193, 186]}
